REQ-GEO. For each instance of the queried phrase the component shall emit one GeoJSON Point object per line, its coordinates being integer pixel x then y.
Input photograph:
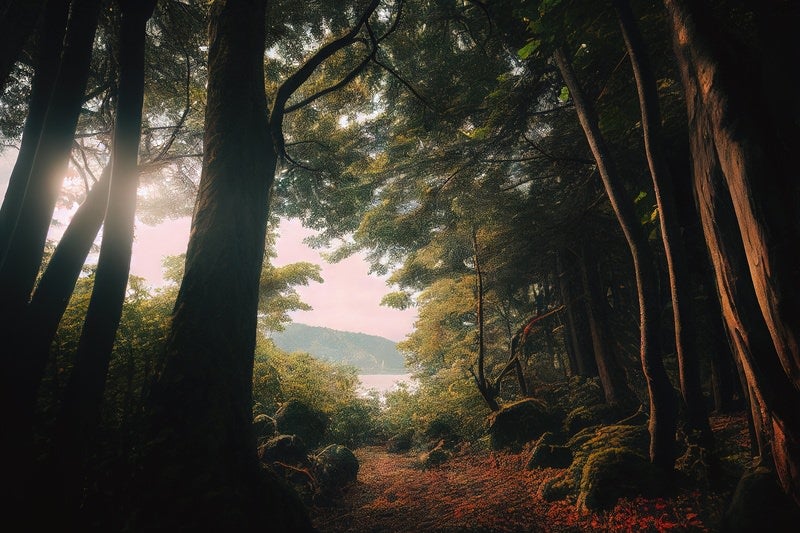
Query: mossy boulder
{"type": "Point", "coordinates": [288, 449]}
{"type": "Point", "coordinates": [613, 473]}
{"type": "Point", "coordinates": [518, 423]}
{"type": "Point", "coordinates": [759, 504]}
{"type": "Point", "coordinates": [400, 443]}
{"type": "Point", "coordinates": [588, 416]}
{"type": "Point", "coordinates": [264, 427]}
{"type": "Point", "coordinates": [296, 418]}
{"type": "Point", "coordinates": [633, 439]}
{"type": "Point", "coordinates": [335, 467]}
{"type": "Point", "coordinates": [549, 456]}
{"type": "Point", "coordinates": [441, 429]}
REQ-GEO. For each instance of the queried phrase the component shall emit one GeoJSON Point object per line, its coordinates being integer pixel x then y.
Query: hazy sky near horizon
{"type": "Point", "coordinates": [348, 299]}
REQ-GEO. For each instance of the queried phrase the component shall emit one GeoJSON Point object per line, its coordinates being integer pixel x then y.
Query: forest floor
{"type": "Point", "coordinates": [482, 491]}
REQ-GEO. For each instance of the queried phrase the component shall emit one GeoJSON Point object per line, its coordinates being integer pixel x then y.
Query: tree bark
{"type": "Point", "coordinates": [612, 375]}
{"type": "Point", "coordinates": [50, 45]}
{"type": "Point", "coordinates": [80, 408]}
{"type": "Point", "coordinates": [200, 470]}
{"type": "Point", "coordinates": [576, 334]}
{"type": "Point", "coordinates": [20, 265]}
{"type": "Point", "coordinates": [683, 314]}
{"type": "Point", "coordinates": [488, 392]}
{"type": "Point", "coordinates": [662, 408]}
{"type": "Point", "coordinates": [746, 197]}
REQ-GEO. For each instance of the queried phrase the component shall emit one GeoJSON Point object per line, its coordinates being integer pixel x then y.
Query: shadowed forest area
{"type": "Point", "coordinates": [592, 205]}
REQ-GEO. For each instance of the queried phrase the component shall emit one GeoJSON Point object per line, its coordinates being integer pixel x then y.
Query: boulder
{"type": "Point", "coordinates": [296, 418]}
{"type": "Point", "coordinates": [613, 473]}
{"type": "Point", "coordinates": [400, 443]}
{"type": "Point", "coordinates": [288, 449]}
{"type": "Point", "coordinates": [516, 424]}
{"type": "Point", "coordinates": [264, 427]}
{"type": "Point", "coordinates": [759, 504]}
{"type": "Point", "coordinates": [550, 456]}
{"type": "Point", "coordinates": [335, 467]}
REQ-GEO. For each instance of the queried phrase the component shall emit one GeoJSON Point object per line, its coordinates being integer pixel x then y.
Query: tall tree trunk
{"type": "Point", "coordinates": [17, 22]}
{"type": "Point", "coordinates": [20, 265]}
{"type": "Point", "coordinates": [48, 56]}
{"type": "Point", "coordinates": [686, 346]}
{"type": "Point", "coordinates": [80, 410]}
{"type": "Point", "coordinates": [747, 194]}
{"type": "Point", "coordinates": [34, 339]}
{"type": "Point", "coordinates": [200, 470]}
{"type": "Point", "coordinates": [612, 375]}
{"type": "Point", "coordinates": [662, 408]}
{"type": "Point", "coordinates": [576, 323]}
{"type": "Point", "coordinates": [54, 289]}
{"type": "Point", "coordinates": [488, 392]}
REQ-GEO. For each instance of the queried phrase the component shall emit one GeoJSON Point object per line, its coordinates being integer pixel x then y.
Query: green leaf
{"type": "Point", "coordinates": [563, 96]}
{"type": "Point", "coordinates": [641, 196]}
{"type": "Point", "coordinates": [526, 51]}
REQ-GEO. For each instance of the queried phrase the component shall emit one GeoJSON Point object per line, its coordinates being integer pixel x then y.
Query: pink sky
{"type": "Point", "coordinates": [349, 299]}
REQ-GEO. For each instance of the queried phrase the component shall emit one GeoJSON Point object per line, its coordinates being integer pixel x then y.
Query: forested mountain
{"type": "Point", "coordinates": [370, 354]}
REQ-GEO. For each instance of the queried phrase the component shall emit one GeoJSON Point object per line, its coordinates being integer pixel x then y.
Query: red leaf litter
{"type": "Point", "coordinates": [493, 492]}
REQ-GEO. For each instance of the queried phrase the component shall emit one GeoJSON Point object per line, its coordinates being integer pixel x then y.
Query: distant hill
{"type": "Point", "coordinates": [369, 353]}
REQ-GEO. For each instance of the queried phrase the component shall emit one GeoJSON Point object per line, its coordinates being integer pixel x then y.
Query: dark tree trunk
{"type": "Point", "coordinates": [578, 338]}
{"type": "Point", "coordinates": [17, 21]}
{"type": "Point", "coordinates": [485, 387]}
{"type": "Point", "coordinates": [52, 293]}
{"type": "Point", "coordinates": [20, 264]}
{"type": "Point", "coordinates": [201, 470]}
{"type": "Point", "coordinates": [80, 409]}
{"type": "Point", "coordinates": [662, 408]}
{"type": "Point", "coordinates": [48, 56]}
{"type": "Point", "coordinates": [683, 314]}
{"type": "Point", "coordinates": [33, 341]}
{"type": "Point", "coordinates": [745, 180]}
{"type": "Point", "coordinates": [612, 375]}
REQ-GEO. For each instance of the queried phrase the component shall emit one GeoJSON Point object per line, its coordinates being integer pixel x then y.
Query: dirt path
{"type": "Point", "coordinates": [473, 492]}
{"type": "Point", "coordinates": [480, 491]}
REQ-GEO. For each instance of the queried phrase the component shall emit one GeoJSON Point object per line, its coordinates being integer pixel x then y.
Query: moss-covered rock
{"type": "Point", "coordinates": [612, 473]}
{"type": "Point", "coordinates": [758, 504]}
{"type": "Point", "coordinates": [296, 418]}
{"type": "Point", "coordinates": [516, 424]}
{"type": "Point", "coordinates": [549, 456]}
{"type": "Point", "coordinates": [264, 427]}
{"type": "Point", "coordinates": [288, 449]}
{"type": "Point", "coordinates": [335, 467]}
{"type": "Point", "coordinates": [400, 443]}
{"type": "Point", "coordinates": [441, 429]}
{"type": "Point", "coordinates": [634, 439]}
{"type": "Point", "coordinates": [588, 416]}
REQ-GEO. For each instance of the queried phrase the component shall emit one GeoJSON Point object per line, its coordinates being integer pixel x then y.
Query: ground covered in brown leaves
{"type": "Point", "coordinates": [485, 491]}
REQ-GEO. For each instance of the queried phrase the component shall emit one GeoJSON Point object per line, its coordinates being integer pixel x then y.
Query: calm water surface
{"type": "Point", "coordinates": [383, 383]}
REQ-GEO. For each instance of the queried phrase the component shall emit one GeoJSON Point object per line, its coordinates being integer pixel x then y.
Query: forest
{"type": "Point", "coordinates": [591, 205]}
